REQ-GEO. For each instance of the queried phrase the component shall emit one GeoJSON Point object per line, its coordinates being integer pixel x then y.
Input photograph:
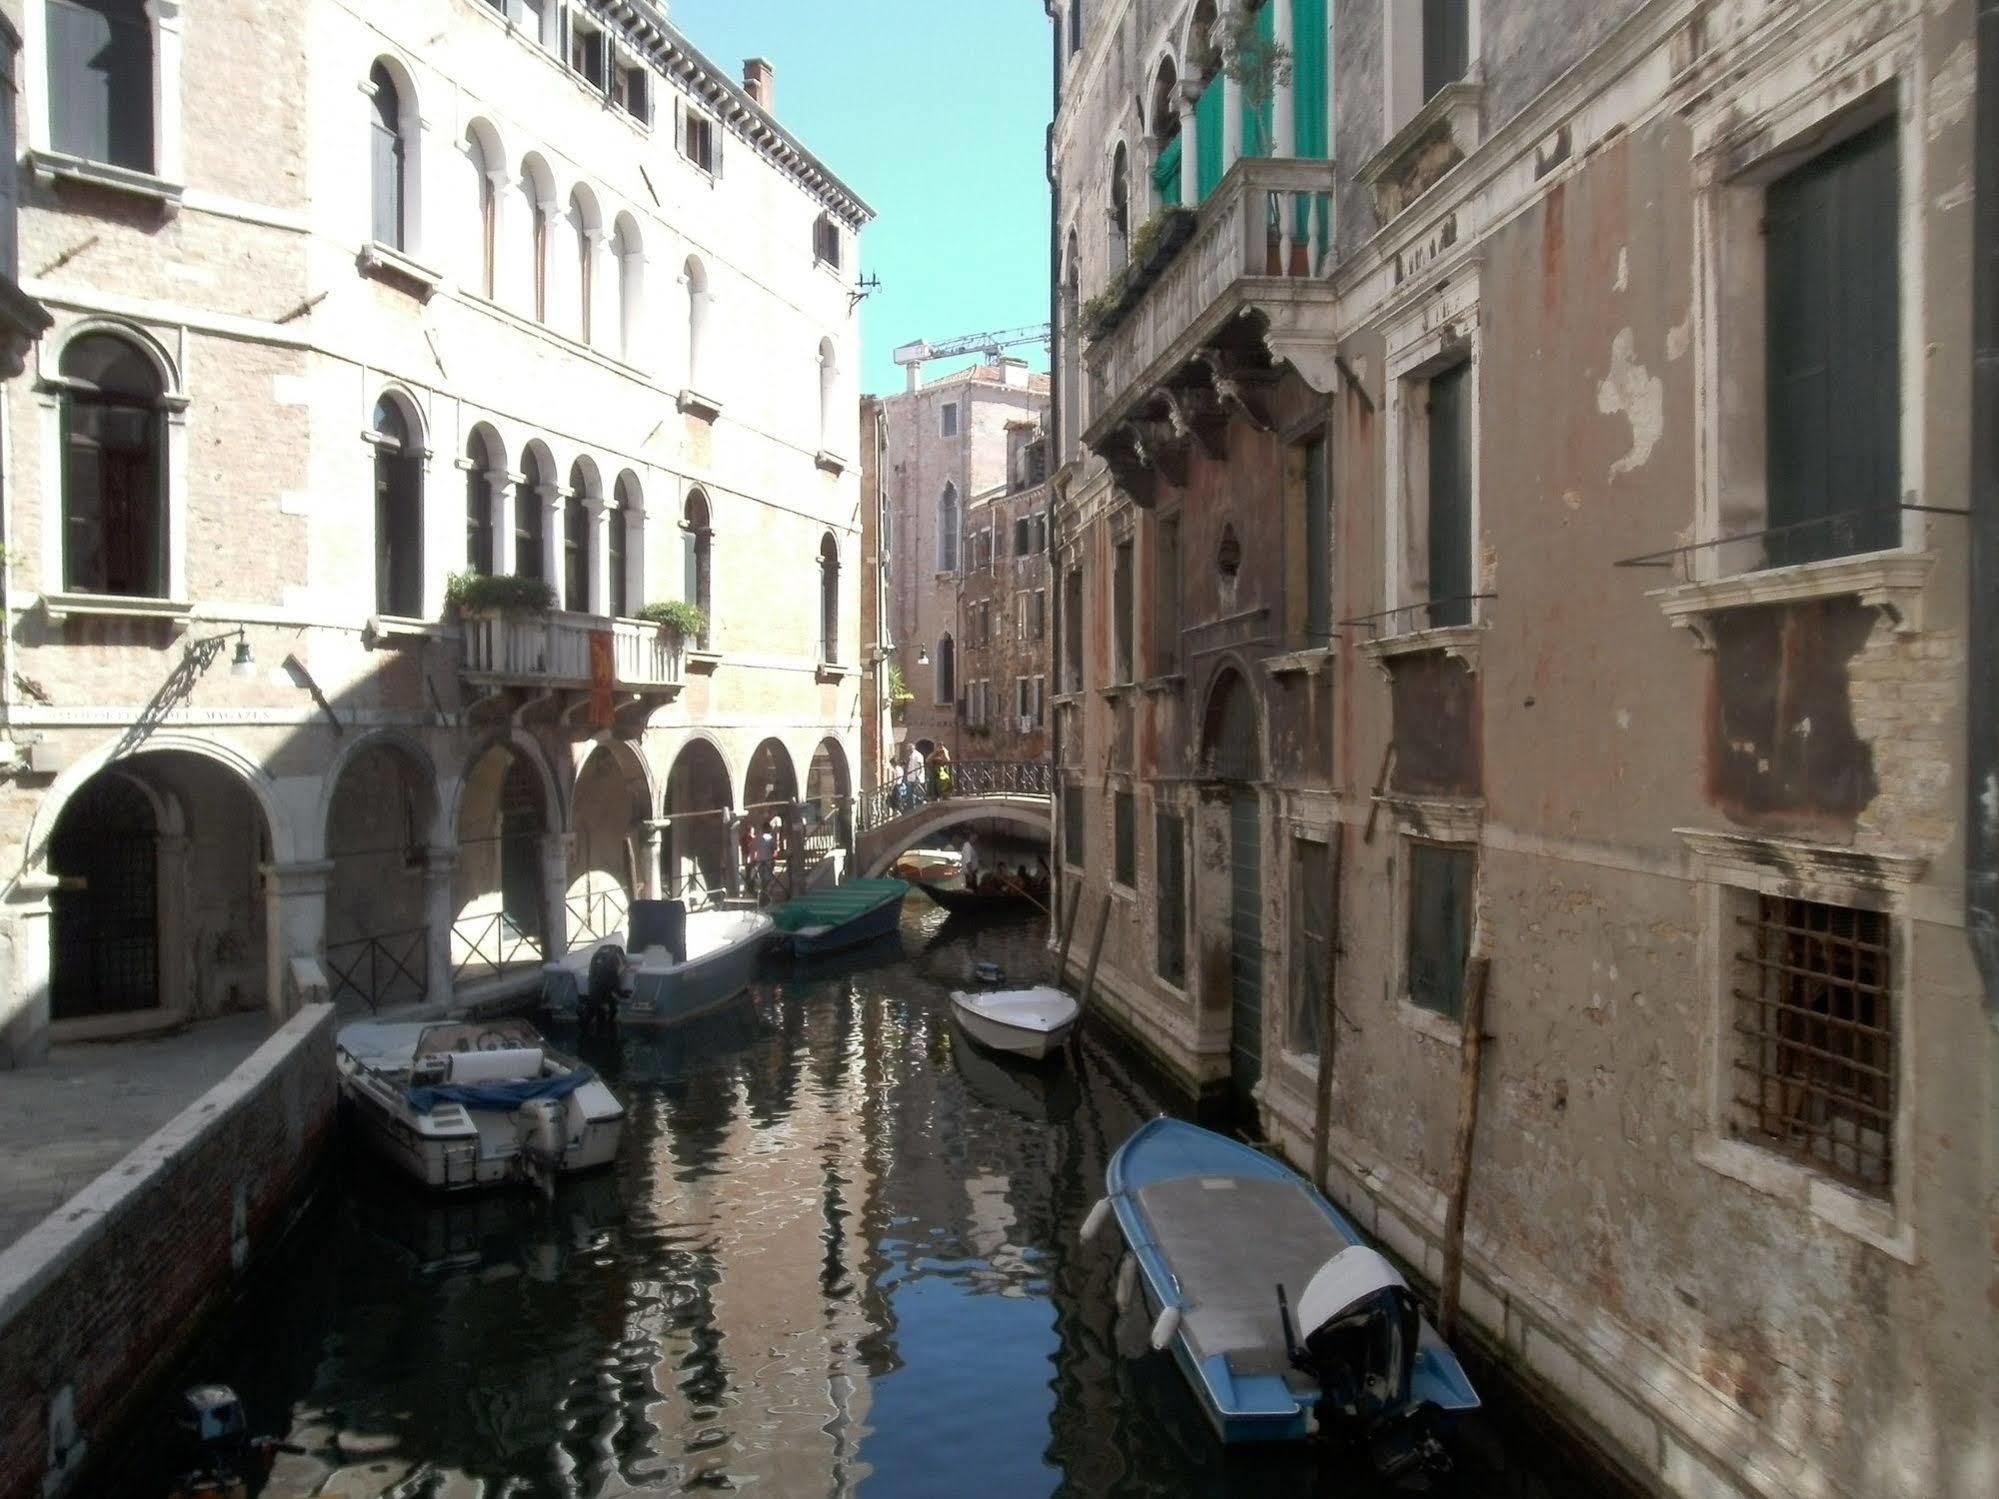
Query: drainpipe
{"type": "Point", "coordinates": [1057, 446]}
{"type": "Point", "coordinates": [1981, 882]}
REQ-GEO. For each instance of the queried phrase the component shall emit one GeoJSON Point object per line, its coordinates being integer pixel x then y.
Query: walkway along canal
{"type": "Point", "coordinates": [838, 1253]}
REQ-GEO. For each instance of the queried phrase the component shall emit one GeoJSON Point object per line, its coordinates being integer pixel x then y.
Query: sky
{"type": "Point", "coordinates": [935, 112]}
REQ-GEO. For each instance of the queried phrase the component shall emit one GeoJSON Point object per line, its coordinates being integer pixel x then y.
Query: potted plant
{"type": "Point", "coordinates": [472, 592]}
{"type": "Point", "coordinates": [676, 616]}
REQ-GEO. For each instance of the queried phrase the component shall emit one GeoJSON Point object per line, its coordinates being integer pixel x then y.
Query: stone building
{"type": "Point", "coordinates": [961, 480]}
{"type": "Point", "coordinates": [1513, 458]}
{"type": "Point", "coordinates": [350, 299]}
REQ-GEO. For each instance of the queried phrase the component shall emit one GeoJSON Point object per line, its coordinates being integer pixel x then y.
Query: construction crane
{"type": "Point", "coordinates": [912, 356]}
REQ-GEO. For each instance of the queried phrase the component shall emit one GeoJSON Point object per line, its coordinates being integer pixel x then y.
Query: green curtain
{"type": "Point", "coordinates": [1166, 172]}
{"type": "Point", "coordinates": [1208, 129]}
{"type": "Point", "coordinates": [1309, 99]}
{"type": "Point", "coordinates": [1259, 118]}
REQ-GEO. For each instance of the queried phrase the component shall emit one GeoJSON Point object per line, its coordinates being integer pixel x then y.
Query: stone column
{"type": "Point", "coordinates": [555, 889]}
{"type": "Point", "coordinates": [503, 486]}
{"type": "Point", "coordinates": [1190, 151]}
{"type": "Point", "coordinates": [24, 1026]}
{"type": "Point", "coordinates": [1285, 103]}
{"type": "Point", "coordinates": [590, 294]}
{"type": "Point", "coordinates": [440, 866]}
{"type": "Point", "coordinates": [549, 497]}
{"type": "Point", "coordinates": [599, 555]}
{"type": "Point", "coordinates": [1231, 123]}
{"type": "Point", "coordinates": [295, 934]}
{"type": "Point", "coordinates": [648, 847]}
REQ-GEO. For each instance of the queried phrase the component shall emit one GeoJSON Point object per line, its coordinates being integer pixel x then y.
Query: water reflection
{"type": "Point", "coordinates": [837, 1255]}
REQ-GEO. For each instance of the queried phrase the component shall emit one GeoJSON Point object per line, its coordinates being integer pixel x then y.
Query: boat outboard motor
{"type": "Point", "coordinates": [1361, 1324]}
{"type": "Point", "coordinates": [222, 1460]}
{"type": "Point", "coordinates": [602, 986]}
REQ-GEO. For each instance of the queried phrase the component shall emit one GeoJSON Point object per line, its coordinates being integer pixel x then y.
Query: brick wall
{"type": "Point", "coordinates": [97, 1301]}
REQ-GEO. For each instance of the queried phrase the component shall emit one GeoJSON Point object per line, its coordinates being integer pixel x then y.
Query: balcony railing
{"type": "Point", "coordinates": [1264, 227]}
{"type": "Point", "coordinates": [553, 650]}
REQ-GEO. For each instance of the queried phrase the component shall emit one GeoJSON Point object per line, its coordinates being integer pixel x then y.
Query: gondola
{"type": "Point", "coordinates": [960, 902]}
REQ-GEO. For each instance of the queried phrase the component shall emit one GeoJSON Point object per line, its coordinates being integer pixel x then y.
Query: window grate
{"type": "Point", "coordinates": [1814, 1010]}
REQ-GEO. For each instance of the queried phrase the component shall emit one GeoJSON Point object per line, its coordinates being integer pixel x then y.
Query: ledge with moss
{"type": "Point", "coordinates": [505, 593]}
{"type": "Point", "coordinates": [689, 620]}
{"type": "Point", "coordinates": [1153, 249]}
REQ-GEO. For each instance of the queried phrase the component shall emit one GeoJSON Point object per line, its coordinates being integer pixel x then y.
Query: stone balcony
{"type": "Point", "coordinates": [1243, 295]}
{"type": "Point", "coordinates": [552, 652]}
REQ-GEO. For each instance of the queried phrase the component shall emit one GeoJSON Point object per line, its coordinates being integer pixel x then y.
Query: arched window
{"type": "Point", "coordinates": [1071, 373]}
{"type": "Point", "coordinates": [576, 540]}
{"type": "Point", "coordinates": [829, 380]}
{"type": "Point", "coordinates": [626, 536]}
{"type": "Point", "coordinates": [482, 153]}
{"type": "Point", "coordinates": [1120, 234]}
{"type": "Point", "coordinates": [398, 511]}
{"type": "Point", "coordinates": [630, 250]}
{"type": "Point", "coordinates": [618, 604]}
{"type": "Point", "coordinates": [483, 462]}
{"type": "Point", "coordinates": [387, 166]}
{"type": "Point", "coordinates": [947, 530]}
{"type": "Point", "coordinates": [697, 318]}
{"type": "Point", "coordinates": [829, 598]}
{"type": "Point", "coordinates": [100, 81]}
{"type": "Point", "coordinates": [583, 221]}
{"type": "Point", "coordinates": [947, 672]}
{"type": "Point", "coordinates": [697, 544]}
{"type": "Point", "coordinates": [529, 501]}
{"type": "Point", "coordinates": [538, 189]}
{"type": "Point", "coordinates": [114, 469]}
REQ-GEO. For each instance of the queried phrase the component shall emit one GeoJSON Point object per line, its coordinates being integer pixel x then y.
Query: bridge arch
{"type": "Point", "coordinates": [882, 846]}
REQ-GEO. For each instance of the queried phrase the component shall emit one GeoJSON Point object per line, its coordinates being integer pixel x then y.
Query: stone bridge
{"type": "Point", "coordinates": [890, 820]}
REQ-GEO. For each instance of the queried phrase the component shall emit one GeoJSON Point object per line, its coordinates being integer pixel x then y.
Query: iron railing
{"type": "Point", "coordinates": [376, 970]}
{"type": "Point", "coordinates": [494, 942]}
{"type": "Point", "coordinates": [959, 778]}
{"type": "Point", "coordinates": [595, 915]}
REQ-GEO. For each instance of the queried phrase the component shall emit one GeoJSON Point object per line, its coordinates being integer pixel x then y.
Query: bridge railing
{"type": "Point", "coordinates": [897, 798]}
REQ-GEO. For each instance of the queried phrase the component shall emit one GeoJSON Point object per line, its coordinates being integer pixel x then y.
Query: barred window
{"type": "Point", "coordinates": [1072, 825]}
{"type": "Point", "coordinates": [1168, 856]}
{"type": "Point", "coordinates": [1816, 1066]}
{"type": "Point", "coordinates": [1126, 872]}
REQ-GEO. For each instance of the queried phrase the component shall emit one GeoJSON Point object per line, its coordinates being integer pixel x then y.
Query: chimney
{"type": "Point", "coordinates": [760, 82]}
{"type": "Point", "coordinates": [1013, 372]}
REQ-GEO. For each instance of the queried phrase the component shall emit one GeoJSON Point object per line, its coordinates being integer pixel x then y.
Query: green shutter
{"type": "Point", "coordinates": [1259, 116]}
{"type": "Point", "coordinates": [1208, 127]}
{"type": "Point", "coordinates": [1308, 76]}
{"type": "Point", "coordinates": [1166, 172]}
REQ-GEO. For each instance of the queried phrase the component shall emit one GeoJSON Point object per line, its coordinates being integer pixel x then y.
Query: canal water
{"type": "Point", "coordinates": [838, 1253]}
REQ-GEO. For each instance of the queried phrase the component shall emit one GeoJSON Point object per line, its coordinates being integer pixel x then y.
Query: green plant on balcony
{"type": "Point", "coordinates": [1258, 65]}
{"type": "Point", "coordinates": [687, 620]}
{"type": "Point", "coordinates": [899, 695]}
{"type": "Point", "coordinates": [1153, 247]}
{"type": "Point", "coordinates": [472, 592]}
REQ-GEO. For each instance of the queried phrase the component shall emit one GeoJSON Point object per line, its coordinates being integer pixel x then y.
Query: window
{"type": "Point", "coordinates": [1448, 532]}
{"type": "Point", "coordinates": [1041, 529]}
{"type": "Point", "coordinates": [538, 21]}
{"type": "Point", "coordinates": [1040, 702]}
{"type": "Point", "coordinates": [1834, 353]}
{"type": "Point", "coordinates": [1169, 858]}
{"type": "Point", "coordinates": [588, 56]}
{"type": "Point", "coordinates": [1440, 896]}
{"type": "Point", "coordinates": [583, 220]}
{"type": "Point", "coordinates": [538, 191]}
{"type": "Point", "coordinates": [615, 580]}
{"type": "Point", "coordinates": [826, 241]}
{"type": "Point", "coordinates": [629, 251]}
{"type": "Point", "coordinates": [386, 164]}
{"type": "Point", "coordinates": [481, 151]}
{"type": "Point", "coordinates": [398, 512]}
{"type": "Point", "coordinates": [1125, 867]}
{"type": "Point", "coordinates": [114, 470]}
{"type": "Point", "coordinates": [1166, 596]}
{"type": "Point", "coordinates": [480, 478]}
{"type": "Point", "coordinates": [1121, 605]}
{"type": "Point", "coordinates": [1311, 944]}
{"type": "Point", "coordinates": [1318, 529]}
{"type": "Point", "coordinates": [1075, 27]}
{"type": "Point", "coordinates": [947, 529]}
{"type": "Point", "coordinates": [1815, 1053]}
{"type": "Point", "coordinates": [1072, 631]}
{"type": "Point", "coordinates": [829, 385]}
{"type": "Point", "coordinates": [1120, 215]}
{"type": "Point", "coordinates": [530, 500]}
{"type": "Point", "coordinates": [947, 673]}
{"type": "Point", "coordinates": [1072, 824]}
{"type": "Point", "coordinates": [700, 140]}
{"type": "Point", "coordinates": [950, 418]}
{"type": "Point", "coordinates": [100, 86]}
{"type": "Point", "coordinates": [1021, 537]}
{"type": "Point", "coordinates": [1037, 615]}
{"type": "Point", "coordinates": [1446, 44]}
{"type": "Point", "coordinates": [829, 598]}
{"type": "Point", "coordinates": [697, 549]}
{"type": "Point", "coordinates": [575, 552]}
{"type": "Point", "coordinates": [696, 278]}
{"type": "Point", "coordinates": [631, 91]}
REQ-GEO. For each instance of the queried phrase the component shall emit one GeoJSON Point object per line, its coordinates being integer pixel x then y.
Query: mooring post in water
{"type": "Point", "coordinates": [1478, 968]}
{"type": "Point", "coordinates": [1096, 952]}
{"type": "Point", "coordinates": [1068, 931]}
{"type": "Point", "coordinates": [1329, 1014]}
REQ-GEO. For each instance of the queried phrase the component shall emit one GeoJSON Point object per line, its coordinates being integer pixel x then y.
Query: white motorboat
{"type": "Point", "coordinates": [1027, 1023]}
{"type": "Point", "coordinates": [475, 1103]}
{"type": "Point", "coordinates": [711, 960]}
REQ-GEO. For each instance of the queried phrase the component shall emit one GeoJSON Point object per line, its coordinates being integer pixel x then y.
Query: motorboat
{"type": "Point", "coordinates": [840, 916]}
{"type": "Point", "coordinates": [1359, 1360]}
{"type": "Point", "coordinates": [459, 1104]}
{"type": "Point", "coordinates": [1028, 1023]}
{"type": "Point", "coordinates": [687, 963]}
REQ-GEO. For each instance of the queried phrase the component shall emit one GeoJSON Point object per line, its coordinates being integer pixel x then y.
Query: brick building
{"type": "Point", "coordinates": [967, 495]}
{"type": "Point", "coordinates": [1511, 498]}
{"type": "Point", "coordinates": [351, 299]}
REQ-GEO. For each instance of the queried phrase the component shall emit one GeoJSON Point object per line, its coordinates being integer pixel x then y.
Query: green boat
{"type": "Point", "coordinates": [840, 916]}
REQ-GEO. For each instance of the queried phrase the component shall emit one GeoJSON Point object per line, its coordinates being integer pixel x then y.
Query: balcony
{"type": "Point", "coordinates": [552, 652]}
{"type": "Point", "coordinates": [1183, 358]}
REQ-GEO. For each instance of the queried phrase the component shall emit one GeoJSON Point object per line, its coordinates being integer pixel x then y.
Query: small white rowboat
{"type": "Point", "coordinates": [1026, 1023]}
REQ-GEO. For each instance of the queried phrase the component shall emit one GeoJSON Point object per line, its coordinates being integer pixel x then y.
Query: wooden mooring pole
{"type": "Point", "coordinates": [1096, 952]}
{"type": "Point", "coordinates": [1478, 970]}
{"type": "Point", "coordinates": [1068, 931]}
{"type": "Point", "coordinates": [1329, 1015]}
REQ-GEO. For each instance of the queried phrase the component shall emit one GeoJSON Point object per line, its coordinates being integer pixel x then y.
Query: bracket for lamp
{"type": "Point", "coordinates": [862, 289]}
{"type": "Point", "coordinates": [295, 669]}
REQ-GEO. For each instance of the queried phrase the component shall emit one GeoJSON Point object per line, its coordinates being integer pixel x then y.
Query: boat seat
{"type": "Point", "coordinates": [510, 1065]}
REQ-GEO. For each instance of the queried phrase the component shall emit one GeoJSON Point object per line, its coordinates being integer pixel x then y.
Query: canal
{"type": "Point", "coordinates": [838, 1254]}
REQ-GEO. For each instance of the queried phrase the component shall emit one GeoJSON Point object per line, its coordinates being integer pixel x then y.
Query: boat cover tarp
{"type": "Point", "coordinates": [837, 904]}
{"type": "Point", "coordinates": [502, 1096]}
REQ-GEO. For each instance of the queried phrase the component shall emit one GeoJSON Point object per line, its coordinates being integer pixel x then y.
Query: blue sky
{"type": "Point", "coordinates": [935, 112]}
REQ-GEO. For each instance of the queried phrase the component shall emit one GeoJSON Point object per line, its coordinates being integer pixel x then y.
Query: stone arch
{"type": "Point", "coordinates": [610, 806]}
{"type": "Point", "coordinates": [1231, 726]}
{"type": "Point", "coordinates": [539, 208]}
{"type": "Point", "coordinates": [586, 226]}
{"type": "Point", "coordinates": [880, 850]}
{"type": "Point", "coordinates": [396, 163]}
{"type": "Point", "coordinates": [1200, 47]}
{"type": "Point", "coordinates": [380, 821]}
{"type": "Point", "coordinates": [486, 163]}
{"type": "Point", "coordinates": [771, 781]}
{"type": "Point", "coordinates": [506, 813]}
{"type": "Point", "coordinates": [697, 852]}
{"type": "Point", "coordinates": [141, 339]}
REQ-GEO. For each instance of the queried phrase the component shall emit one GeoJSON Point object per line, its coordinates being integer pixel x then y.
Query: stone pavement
{"type": "Point", "coordinates": [66, 1122]}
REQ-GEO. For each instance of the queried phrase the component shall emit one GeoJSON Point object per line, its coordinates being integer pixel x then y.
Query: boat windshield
{"type": "Point", "coordinates": [476, 1035]}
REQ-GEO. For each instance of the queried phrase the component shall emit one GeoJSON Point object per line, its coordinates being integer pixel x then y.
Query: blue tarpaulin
{"type": "Point", "coordinates": [506, 1096]}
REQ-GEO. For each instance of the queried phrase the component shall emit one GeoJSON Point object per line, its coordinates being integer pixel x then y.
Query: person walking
{"type": "Point", "coordinates": [912, 777]}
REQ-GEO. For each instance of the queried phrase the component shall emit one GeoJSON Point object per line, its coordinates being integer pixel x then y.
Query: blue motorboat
{"type": "Point", "coordinates": [1224, 1242]}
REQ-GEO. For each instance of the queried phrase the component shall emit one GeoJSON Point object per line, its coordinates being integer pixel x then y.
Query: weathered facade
{"type": "Point", "coordinates": [1519, 510]}
{"type": "Point", "coordinates": [350, 301]}
{"type": "Point", "coordinates": [964, 494]}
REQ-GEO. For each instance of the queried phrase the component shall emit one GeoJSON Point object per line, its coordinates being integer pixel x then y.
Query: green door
{"type": "Point", "coordinates": [1245, 949]}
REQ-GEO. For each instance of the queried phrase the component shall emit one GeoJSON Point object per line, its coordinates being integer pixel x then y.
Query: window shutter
{"type": "Point", "coordinates": [1450, 497]}
{"type": "Point", "coordinates": [716, 133]}
{"type": "Point", "coordinates": [679, 125]}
